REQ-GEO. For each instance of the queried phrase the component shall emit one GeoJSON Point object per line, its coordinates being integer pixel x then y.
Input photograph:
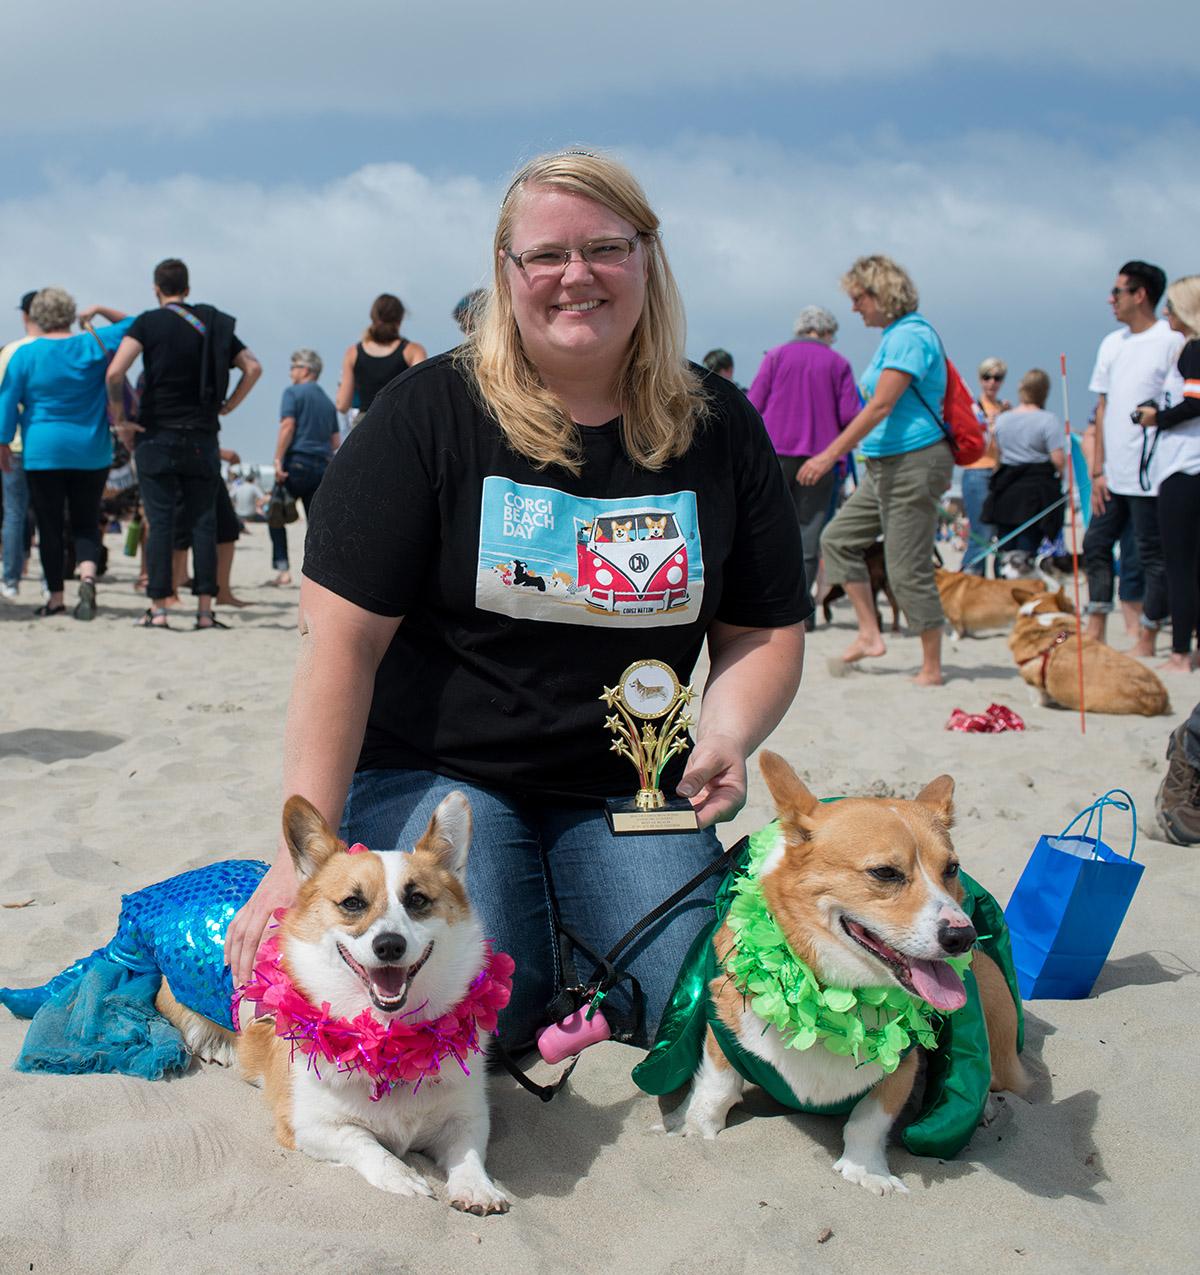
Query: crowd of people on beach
{"type": "Point", "coordinates": [825, 424]}
{"type": "Point", "coordinates": [85, 448]}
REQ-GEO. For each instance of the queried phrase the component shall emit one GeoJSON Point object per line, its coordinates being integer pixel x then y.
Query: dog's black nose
{"type": "Point", "coordinates": [391, 947]}
{"type": "Point", "coordinates": [955, 939]}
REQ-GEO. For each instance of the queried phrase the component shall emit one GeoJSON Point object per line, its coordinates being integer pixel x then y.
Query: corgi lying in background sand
{"type": "Point", "coordinates": [390, 935]}
{"type": "Point", "coordinates": [866, 892]}
{"type": "Point", "coordinates": [973, 604]}
{"type": "Point", "coordinates": [1045, 645]}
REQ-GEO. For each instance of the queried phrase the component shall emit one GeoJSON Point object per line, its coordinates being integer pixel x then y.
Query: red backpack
{"type": "Point", "coordinates": [958, 421]}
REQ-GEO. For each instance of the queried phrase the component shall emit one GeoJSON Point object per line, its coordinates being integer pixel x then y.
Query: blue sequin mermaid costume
{"type": "Point", "coordinates": [99, 1015]}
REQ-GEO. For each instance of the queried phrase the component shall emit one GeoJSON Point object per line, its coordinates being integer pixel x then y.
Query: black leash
{"type": "Point", "coordinates": [666, 905]}
{"type": "Point", "coordinates": [606, 974]}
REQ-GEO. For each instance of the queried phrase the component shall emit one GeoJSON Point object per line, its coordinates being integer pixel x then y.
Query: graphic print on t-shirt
{"type": "Point", "coordinates": [545, 555]}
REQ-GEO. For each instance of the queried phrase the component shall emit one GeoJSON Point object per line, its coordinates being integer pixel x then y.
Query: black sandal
{"type": "Point", "coordinates": [213, 622]}
{"type": "Point", "coordinates": [147, 618]}
{"type": "Point", "coordinates": [46, 609]}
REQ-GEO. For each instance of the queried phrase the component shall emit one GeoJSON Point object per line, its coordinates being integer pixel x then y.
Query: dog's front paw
{"type": "Point", "coordinates": [478, 1195]}
{"type": "Point", "coordinates": [395, 1176]}
{"type": "Point", "coordinates": [674, 1121]}
{"type": "Point", "coordinates": [875, 1179]}
{"type": "Point", "coordinates": [703, 1124]}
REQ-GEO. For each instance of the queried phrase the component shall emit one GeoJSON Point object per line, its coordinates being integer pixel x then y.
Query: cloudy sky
{"type": "Point", "coordinates": [303, 157]}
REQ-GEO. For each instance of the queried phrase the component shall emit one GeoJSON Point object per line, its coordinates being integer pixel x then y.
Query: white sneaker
{"type": "Point", "coordinates": [9, 591]}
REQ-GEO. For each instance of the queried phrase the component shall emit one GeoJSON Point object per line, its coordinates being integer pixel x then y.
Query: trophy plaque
{"type": "Point", "coordinates": [649, 726]}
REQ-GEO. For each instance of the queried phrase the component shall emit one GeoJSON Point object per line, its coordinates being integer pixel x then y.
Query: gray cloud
{"type": "Point", "coordinates": [177, 67]}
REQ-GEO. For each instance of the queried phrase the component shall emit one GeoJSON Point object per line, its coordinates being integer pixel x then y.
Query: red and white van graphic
{"type": "Point", "coordinates": [632, 563]}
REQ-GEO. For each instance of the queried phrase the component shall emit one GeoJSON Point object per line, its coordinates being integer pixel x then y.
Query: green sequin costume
{"type": "Point", "coordinates": [959, 1066]}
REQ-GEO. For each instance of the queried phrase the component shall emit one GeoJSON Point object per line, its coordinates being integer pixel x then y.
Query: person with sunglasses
{"type": "Point", "coordinates": [977, 475]}
{"type": "Point", "coordinates": [512, 525]}
{"type": "Point", "coordinates": [1132, 367]}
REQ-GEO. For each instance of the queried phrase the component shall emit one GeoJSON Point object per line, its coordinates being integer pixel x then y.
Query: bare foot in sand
{"type": "Point", "coordinates": [1176, 663]}
{"type": "Point", "coordinates": [1143, 648]}
{"type": "Point", "coordinates": [228, 600]}
{"type": "Point", "coordinates": [927, 678]}
{"type": "Point", "coordinates": [863, 648]}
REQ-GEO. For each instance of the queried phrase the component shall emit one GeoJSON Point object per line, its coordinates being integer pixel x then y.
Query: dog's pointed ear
{"type": "Point", "coordinates": [1063, 602]}
{"type": "Point", "coordinates": [1021, 595]}
{"type": "Point", "coordinates": [449, 833]}
{"type": "Point", "coordinates": [793, 802]}
{"type": "Point", "coordinates": [308, 836]}
{"type": "Point", "coordinates": [938, 795]}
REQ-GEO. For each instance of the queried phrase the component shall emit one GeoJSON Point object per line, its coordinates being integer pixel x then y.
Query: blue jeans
{"type": "Point", "coordinates": [529, 856]}
{"type": "Point", "coordinates": [974, 493]}
{"type": "Point", "coordinates": [304, 474]}
{"type": "Point", "coordinates": [16, 533]}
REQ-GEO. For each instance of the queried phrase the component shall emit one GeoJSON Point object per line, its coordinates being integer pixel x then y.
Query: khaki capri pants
{"type": "Point", "coordinates": [898, 498]}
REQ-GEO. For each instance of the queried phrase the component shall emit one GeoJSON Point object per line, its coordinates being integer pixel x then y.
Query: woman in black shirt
{"type": "Point", "coordinates": [560, 498]}
{"type": "Point", "coordinates": [378, 358]}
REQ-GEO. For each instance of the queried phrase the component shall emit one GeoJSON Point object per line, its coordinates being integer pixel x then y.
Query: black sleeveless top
{"type": "Point", "coordinates": [371, 373]}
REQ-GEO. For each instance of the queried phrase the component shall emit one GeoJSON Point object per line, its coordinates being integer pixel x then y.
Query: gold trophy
{"type": "Point", "coordinates": [650, 727]}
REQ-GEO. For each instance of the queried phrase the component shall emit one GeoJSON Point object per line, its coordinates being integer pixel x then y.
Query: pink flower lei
{"type": "Point", "coordinates": [393, 1053]}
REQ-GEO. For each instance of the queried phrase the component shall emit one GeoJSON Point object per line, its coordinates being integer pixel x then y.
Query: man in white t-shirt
{"type": "Point", "coordinates": [1131, 367]}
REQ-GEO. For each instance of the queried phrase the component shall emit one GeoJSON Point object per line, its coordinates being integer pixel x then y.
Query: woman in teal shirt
{"type": "Point", "coordinates": [55, 387]}
{"type": "Point", "coordinates": [907, 471]}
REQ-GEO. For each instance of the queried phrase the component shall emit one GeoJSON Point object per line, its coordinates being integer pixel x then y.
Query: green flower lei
{"type": "Point", "coordinates": [872, 1024]}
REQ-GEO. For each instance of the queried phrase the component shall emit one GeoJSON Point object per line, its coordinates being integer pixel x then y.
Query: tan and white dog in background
{"type": "Point", "coordinates": [376, 930]}
{"type": "Point", "coordinates": [1046, 644]}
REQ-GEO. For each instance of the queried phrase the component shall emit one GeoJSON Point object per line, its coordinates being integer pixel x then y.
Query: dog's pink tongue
{"type": "Point", "coordinates": [938, 984]}
{"type": "Point", "coordinates": [389, 979]}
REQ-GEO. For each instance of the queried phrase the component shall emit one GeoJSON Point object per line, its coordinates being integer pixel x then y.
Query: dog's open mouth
{"type": "Point", "coordinates": [935, 982]}
{"type": "Point", "coordinates": [387, 985]}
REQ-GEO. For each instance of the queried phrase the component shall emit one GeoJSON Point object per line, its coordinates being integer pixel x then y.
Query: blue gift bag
{"type": "Point", "coordinates": [1069, 904]}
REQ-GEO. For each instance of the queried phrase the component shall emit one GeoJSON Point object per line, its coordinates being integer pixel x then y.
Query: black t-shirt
{"type": "Point", "coordinates": [171, 360]}
{"type": "Point", "coordinates": [373, 371]}
{"type": "Point", "coordinates": [1188, 407]}
{"type": "Point", "coordinates": [526, 592]}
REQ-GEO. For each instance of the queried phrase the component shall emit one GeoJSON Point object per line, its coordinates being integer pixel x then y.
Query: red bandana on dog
{"type": "Point", "coordinates": [393, 1053]}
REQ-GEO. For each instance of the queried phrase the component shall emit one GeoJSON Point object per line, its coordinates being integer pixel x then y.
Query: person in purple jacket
{"type": "Point", "coordinates": [806, 395]}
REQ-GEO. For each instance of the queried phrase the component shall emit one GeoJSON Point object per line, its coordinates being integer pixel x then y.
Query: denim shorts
{"type": "Point", "coordinates": [529, 856]}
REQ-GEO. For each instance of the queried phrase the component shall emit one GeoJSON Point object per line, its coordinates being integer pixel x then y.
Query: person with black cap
{"type": "Point", "coordinates": [17, 534]}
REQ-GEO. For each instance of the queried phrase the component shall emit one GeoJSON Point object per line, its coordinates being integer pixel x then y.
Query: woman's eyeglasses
{"type": "Point", "coordinates": [596, 252]}
{"type": "Point", "coordinates": [992, 376]}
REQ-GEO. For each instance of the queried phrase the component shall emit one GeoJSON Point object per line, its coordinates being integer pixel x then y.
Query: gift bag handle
{"type": "Point", "coordinates": [1096, 811]}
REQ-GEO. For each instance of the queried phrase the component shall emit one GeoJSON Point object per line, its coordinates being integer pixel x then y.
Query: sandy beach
{"type": "Point", "coordinates": [128, 756]}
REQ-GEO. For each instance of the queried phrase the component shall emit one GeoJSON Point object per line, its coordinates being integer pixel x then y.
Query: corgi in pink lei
{"type": "Point", "coordinates": [370, 1010]}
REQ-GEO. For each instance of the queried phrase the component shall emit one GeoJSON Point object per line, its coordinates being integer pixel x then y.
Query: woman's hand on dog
{"type": "Point", "coordinates": [276, 890]}
{"type": "Point", "coordinates": [714, 780]}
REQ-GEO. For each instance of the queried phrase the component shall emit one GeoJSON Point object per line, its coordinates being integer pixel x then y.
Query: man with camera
{"type": "Point", "coordinates": [1131, 366]}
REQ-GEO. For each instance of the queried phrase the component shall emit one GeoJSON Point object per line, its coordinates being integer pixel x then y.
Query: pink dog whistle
{"type": "Point", "coordinates": [573, 1034]}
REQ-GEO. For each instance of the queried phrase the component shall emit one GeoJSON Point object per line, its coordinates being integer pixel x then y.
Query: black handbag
{"type": "Point", "coordinates": [281, 509]}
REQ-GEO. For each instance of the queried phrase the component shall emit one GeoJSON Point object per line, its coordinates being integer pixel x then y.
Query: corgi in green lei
{"type": "Point", "coordinates": [847, 940]}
